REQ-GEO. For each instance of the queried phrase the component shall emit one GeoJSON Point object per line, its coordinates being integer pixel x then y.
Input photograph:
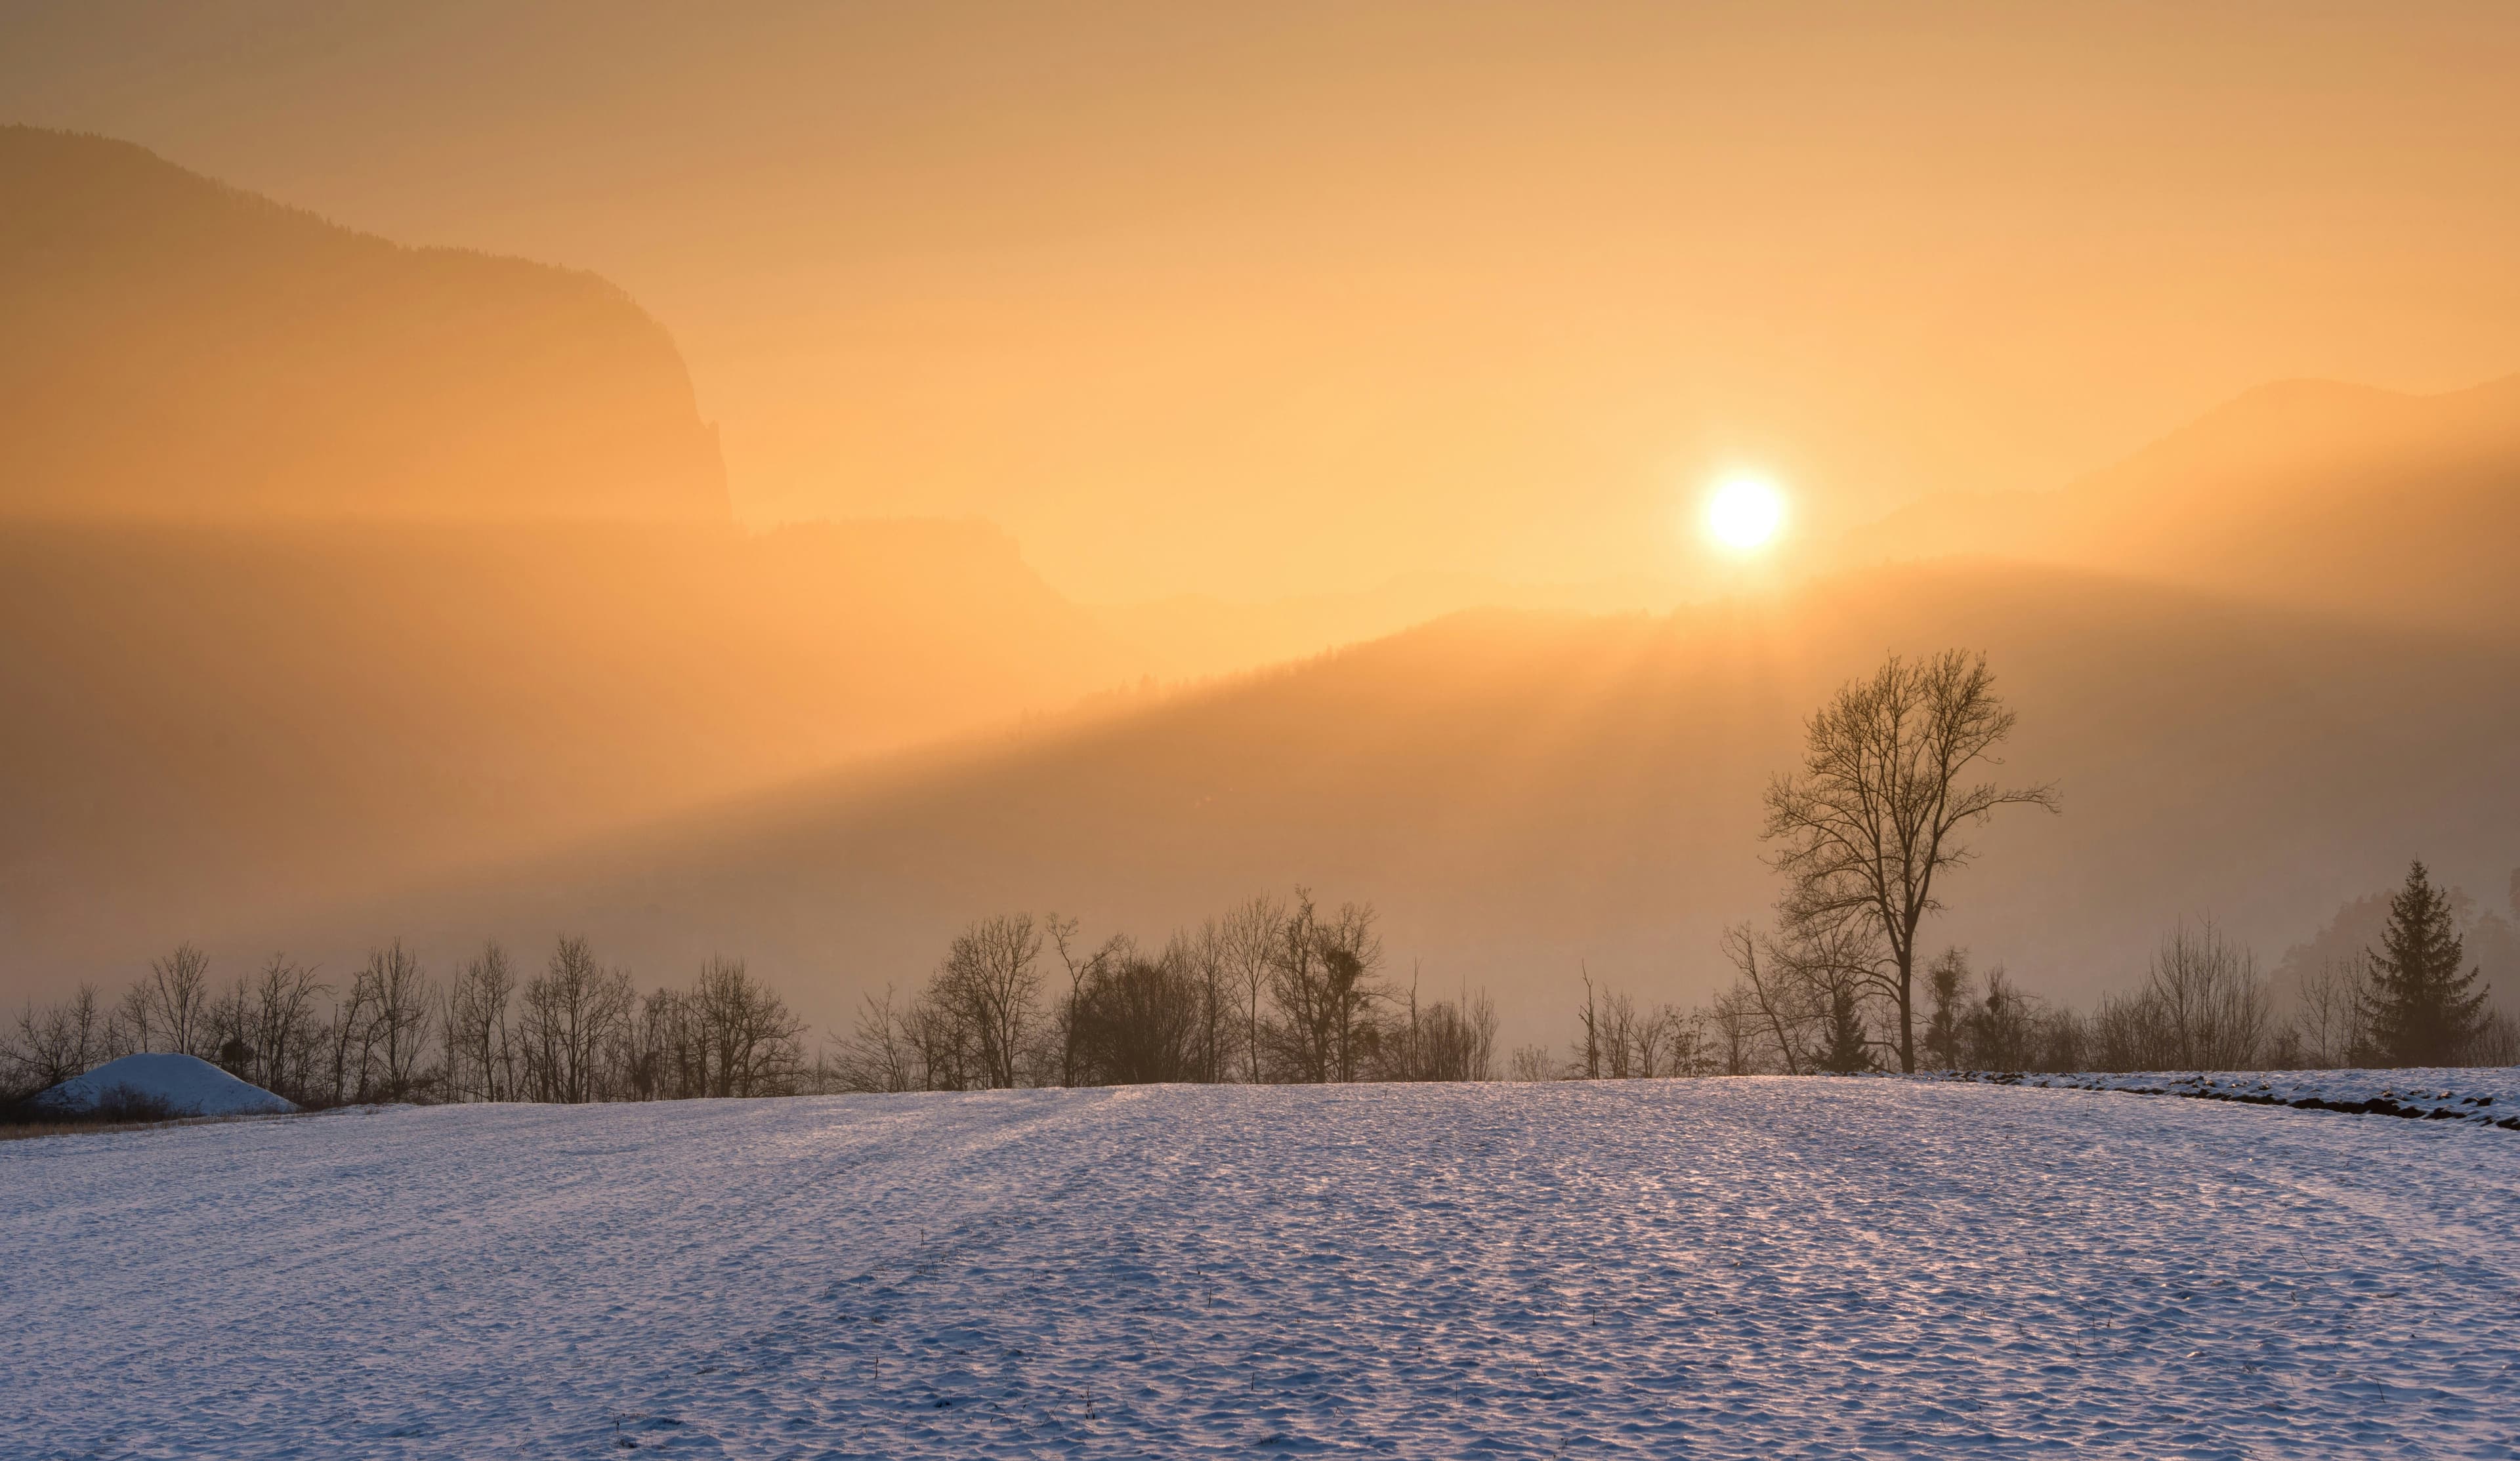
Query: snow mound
{"type": "Point", "coordinates": [185, 1084]}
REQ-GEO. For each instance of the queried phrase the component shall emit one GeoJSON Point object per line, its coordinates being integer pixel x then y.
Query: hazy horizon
{"type": "Point", "coordinates": [429, 466]}
{"type": "Point", "coordinates": [1299, 303]}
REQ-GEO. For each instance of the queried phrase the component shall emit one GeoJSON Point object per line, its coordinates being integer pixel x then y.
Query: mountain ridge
{"type": "Point", "coordinates": [182, 348]}
{"type": "Point", "coordinates": [1527, 794]}
{"type": "Point", "coordinates": [2319, 494]}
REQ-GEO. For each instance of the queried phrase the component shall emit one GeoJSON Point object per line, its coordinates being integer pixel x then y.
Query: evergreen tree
{"type": "Point", "coordinates": [2421, 1009]}
{"type": "Point", "coordinates": [1846, 1053]}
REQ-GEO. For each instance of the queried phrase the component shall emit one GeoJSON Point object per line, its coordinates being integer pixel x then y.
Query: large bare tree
{"type": "Point", "coordinates": [1249, 937]}
{"type": "Point", "coordinates": [575, 1012]}
{"type": "Point", "coordinates": [1875, 816]}
{"type": "Point", "coordinates": [394, 992]}
{"type": "Point", "coordinates": [1324, 983]}
{"type": "Point", "coordinates": [480, 1047]}
{"type": "Point", "coordinates": [170, 1008]}
{"type": "Point", "coordinates": [989, 983]}
{"type": "Point", "coordinates": [1767, 985]}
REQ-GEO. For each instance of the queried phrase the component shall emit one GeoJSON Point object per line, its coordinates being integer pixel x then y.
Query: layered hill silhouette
{"type": "Point", "coordinates": [204, 721]}
{"type": "Point", "coordinates": [326, 562]}
{"type": "Point", "coordinates": [178, 349]}
{"type": "Point", "coordinates": [1526, 796]}
{"type": "Point", "coordinates": [2338, 499]}
{"type": "Point", "coordinates": [349, 590]}
{"type": "Point", "coordinates": [2325, 496]}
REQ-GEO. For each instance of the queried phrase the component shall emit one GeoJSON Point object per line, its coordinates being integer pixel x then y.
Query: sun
{"type": "Point", "coordinates": [1744, 515]}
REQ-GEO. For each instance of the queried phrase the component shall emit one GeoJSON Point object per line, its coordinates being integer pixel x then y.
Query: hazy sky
{"type": "Point", "coordinates": [1272, 298]}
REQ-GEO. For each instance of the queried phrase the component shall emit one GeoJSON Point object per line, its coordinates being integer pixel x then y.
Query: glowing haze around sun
{"type": "Point", "coordinates": [1744, 515]}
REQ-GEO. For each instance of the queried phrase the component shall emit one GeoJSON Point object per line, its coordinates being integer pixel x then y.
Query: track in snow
{"type": "Point", "coordinates": [1710, 1267]}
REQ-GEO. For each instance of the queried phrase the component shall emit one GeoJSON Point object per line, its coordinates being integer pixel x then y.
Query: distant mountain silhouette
{"type": "Point", "coordinates": [349, 649]}
{"type": "Point", "coordinates": [1190, 635]}
{"type": "Point", "coordinates": [178, 349]}
{"type": "Point", "coordinates": [2340, 497]}
{"type": "Point", "coordinates": [1520, 792]}
{"type": "Point", "coordinates": [326, 562]}
{"type": "Point", "coordinates": [202, 720]}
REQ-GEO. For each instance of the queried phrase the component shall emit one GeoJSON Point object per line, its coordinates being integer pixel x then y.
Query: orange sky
{"type": "Point", "coordinates": [1299, 297]}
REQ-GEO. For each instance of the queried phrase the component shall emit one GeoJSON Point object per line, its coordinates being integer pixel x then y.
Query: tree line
{"type": "Point", "coordinates": [1866, 833]}
{"type": "Point", "coordinates": [2204, 1006]}
{"type": "Point", "coordinates": [1273, 991]}
{"type": "Point", "coordinates": [573, 1031]}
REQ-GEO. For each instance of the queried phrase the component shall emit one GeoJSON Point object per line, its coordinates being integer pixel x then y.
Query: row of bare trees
{"type": "Point", "coordinates": [573, 1031]}
{"type": "Point", "coordinates": [2204, 1006]}
{"type": "Point", "coordinates": [1271, 990]}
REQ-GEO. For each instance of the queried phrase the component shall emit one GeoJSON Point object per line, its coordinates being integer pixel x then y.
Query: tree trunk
{"type": "Point", "coordinates": [1908, 1008]}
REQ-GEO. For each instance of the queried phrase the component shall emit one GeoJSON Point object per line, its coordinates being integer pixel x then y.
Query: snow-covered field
{"type": "Point", "coordinates": [1712, 1268]}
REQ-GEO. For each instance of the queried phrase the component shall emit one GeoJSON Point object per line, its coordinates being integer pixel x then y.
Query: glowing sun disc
{"type": "Point", "coordinates": [1744, 515]}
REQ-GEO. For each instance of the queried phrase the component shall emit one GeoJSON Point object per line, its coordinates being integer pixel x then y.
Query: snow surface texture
{"type": "Point", "coordinates": [189, 1086]}
{"type": "Point", "coordinates": [1748, 1267]}
{"type": "Point", "coordinates": [2486, 1096]}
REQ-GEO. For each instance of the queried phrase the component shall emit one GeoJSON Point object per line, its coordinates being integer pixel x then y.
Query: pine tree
{"type": "Point", "coordinates": [1846, 1053]}
{"type": "Point", "coordinates": [2421, 1009]}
